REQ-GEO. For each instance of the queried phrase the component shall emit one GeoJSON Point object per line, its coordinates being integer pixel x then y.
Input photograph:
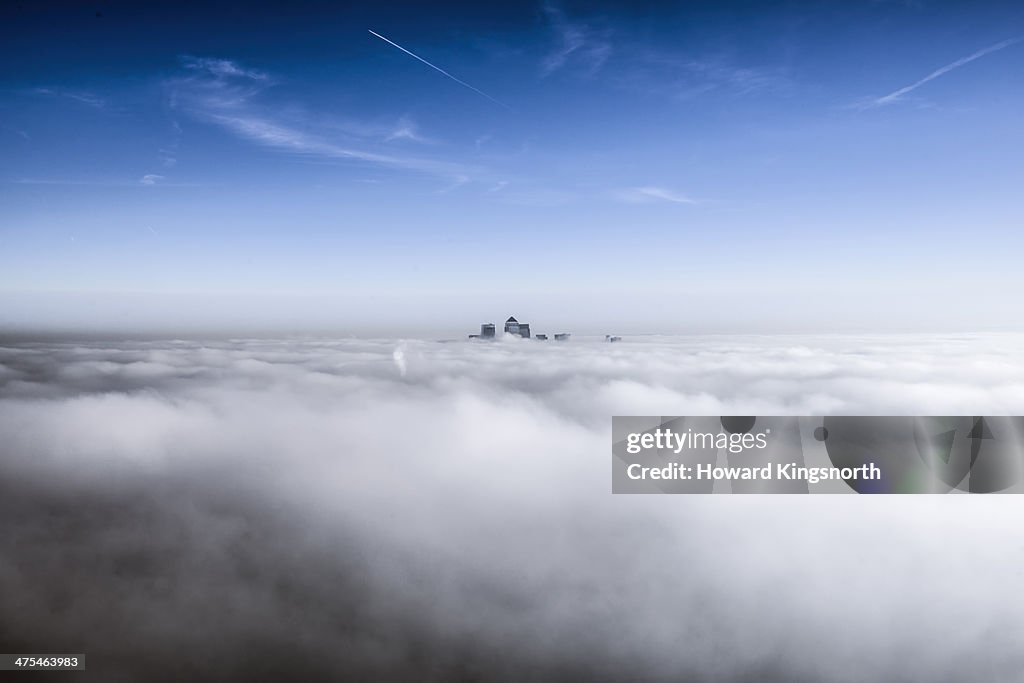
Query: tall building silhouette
{"type": "Point", "coordinates": [513, 326]}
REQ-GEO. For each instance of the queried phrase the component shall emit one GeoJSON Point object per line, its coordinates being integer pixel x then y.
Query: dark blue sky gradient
{"type": "Point", "coordinates": [819, 165]}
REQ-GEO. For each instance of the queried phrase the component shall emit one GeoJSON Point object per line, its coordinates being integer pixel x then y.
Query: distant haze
{"type": "Point", "coordinates": [456, 314]}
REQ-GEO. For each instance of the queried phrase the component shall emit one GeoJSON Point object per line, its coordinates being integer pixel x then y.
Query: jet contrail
{"type": "Point", "coordinates": [463, 83]}
{"type": "Point", "coordinates": [893, 96]}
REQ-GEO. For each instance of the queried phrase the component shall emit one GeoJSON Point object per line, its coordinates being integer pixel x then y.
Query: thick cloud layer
{"type": "Point", "coordinates": [412, 510]}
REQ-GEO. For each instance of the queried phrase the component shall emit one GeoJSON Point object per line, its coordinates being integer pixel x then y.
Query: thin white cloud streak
{"type": "Point", "coordinates": [652, 193]}
{"type": "Point", "coordinates": [437, 68]}
{"type": "Point", "coordinates": [577, 43]}
{"type": "Point", "coordinates": [672, 71]}
{"type": "Point", "coordinates": [642, 66]}
{"type": "Point", "coordinates": [406, 129]}
{"type": "Point", "coordinates": [690, 78]}
{"type": "Point", "coordinates": [149, 180]}
{"type": "Point", "coordinates": [280, 136]}
{"type": "Point", "coordinates": [458, 182]}
{"type": "Point", "coordinates": [167, 157]}
{"type": "Point", "coordinates": [897, 94]}
{"type": "Point", "coordinates": [89, 99]}
{"type": "Point", "coordinates": [17, 131]}
{"type": "Point", "coordinates": [222, 68]}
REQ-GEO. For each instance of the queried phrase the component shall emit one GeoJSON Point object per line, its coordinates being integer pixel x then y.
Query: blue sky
{"type": "Point", "coordinates": [666, 167]}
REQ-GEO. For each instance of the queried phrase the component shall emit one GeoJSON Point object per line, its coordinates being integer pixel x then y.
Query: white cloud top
{"type": "Point", "coordinates": [453, 500]}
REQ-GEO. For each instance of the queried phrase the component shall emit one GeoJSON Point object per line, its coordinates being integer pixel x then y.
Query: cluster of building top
{"type": "Point", "coordinates": [513, 326]}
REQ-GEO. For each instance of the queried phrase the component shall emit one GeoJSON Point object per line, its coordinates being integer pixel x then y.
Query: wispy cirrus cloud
{"type": "Point", "coordinates": [639, 65]}
{"type": "Point", "coordinates": [578, 45]}
{"type": "Point", "coordinates": [898, 94]}
{"type": "Point", "coordinates": [680, 76]}
{"type": "Point", "coordinates": [406, 129]}
{"type": "Point", "coordinates": [273, 134]}
{"type": "Point", "coordinates": [81, 96]}
{"type": "Point", "coordinates": [148, 180]}
{"type": "Point", "coordinates": [650, 193]}
{"type": "Point", "coordinates": [222, 68]}
{"type": "Point", "coordinates": [168, 154]}
{"type": "Point", "coordinates": [720, 74]}
{"type": "Point", "coordinates": [235, 98]}
{"type": "Point", "coordinates": [16, 131]}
